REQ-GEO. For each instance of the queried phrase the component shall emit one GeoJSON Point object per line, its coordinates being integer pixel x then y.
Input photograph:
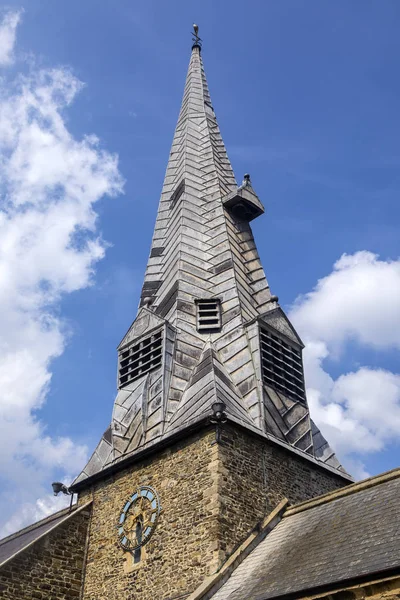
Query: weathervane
{"type": "Point", "coordinates": [196, 39]}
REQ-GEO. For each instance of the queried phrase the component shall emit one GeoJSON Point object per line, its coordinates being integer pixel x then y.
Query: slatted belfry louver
{"type": "Point", "coordinates": [208, 315]}
{"type": "Point", "coordinates": [140, 358]}
{"type": "Point", "coordinates": [282, 366]}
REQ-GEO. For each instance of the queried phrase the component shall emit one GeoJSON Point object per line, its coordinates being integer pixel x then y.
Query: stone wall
{"type": "Point", "coordinates": [50, 569]}
{"type": "Point", "coordinates": [181, 551]}
{"type": "Point", "coordinates": [255, 476]}
{"type": "Point", "coordinates": [211, 495]}
{"type": "Point", "coordinates": [384, 589]}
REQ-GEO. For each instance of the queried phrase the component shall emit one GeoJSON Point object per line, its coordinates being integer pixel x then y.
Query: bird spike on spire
{"type": "Point", "coordinates": [196, 39]}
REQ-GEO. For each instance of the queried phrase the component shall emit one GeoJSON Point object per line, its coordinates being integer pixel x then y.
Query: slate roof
{"type": "Point", "coordinates": [335, 538]}
{"type": "Point", "coordinates": [203, 249]}
{"type": "Point", "coordinates": [17, 542]}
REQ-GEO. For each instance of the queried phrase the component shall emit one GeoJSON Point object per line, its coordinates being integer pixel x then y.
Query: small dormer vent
{"type": "Point", "coordinates": [140, 358]}
{"type": "Point", "coordinates": [282, 366]}
{"type": "Point", "coordinates": [208, 315]}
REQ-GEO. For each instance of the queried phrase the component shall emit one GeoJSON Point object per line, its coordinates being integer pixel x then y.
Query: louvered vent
{"type": "Point", "coordinates": [282, 366]}
{"type": "Point", "coordinates": [208, 315]}
{"type": "Point", "coordinates": [141, 358]}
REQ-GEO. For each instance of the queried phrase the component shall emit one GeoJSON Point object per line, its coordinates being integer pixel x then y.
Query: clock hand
{"type": "Point", "coordinates": [130, 523]}
{"type": "Point", "coordinates": [139, 504]}
{"type": "Point", "coordinates": [148, 522]}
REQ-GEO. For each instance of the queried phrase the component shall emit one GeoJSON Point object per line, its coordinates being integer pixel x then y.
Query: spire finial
{"type": "Point", "coordinates": [195, 39]}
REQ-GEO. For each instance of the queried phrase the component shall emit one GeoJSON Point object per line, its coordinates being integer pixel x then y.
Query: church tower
{"type": "Point", "coordinates": [210, 426]}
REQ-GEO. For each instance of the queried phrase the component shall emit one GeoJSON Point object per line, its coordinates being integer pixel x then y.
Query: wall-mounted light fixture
{"type": "Point", "coordinates": [60, 487]}
{"type": "Point", "coordinates": [218, 418]}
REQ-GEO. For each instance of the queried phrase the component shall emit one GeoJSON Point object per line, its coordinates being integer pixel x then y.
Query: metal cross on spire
{"type": "Point", "coordinates": [196, 39]}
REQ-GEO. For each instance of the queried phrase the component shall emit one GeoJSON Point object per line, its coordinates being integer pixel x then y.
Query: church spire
{"type": "Point", "coordinates": [198, 187]}
{"type": "Point", "coordinates": [208, 329]}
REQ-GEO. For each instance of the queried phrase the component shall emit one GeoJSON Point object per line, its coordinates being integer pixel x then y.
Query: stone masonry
{"type": "Point", "coordinates": [210, 344]}
{"type": "Point", "coordinates": [51, 568]}
{"type": "Point", "coordinates": [385, 589]}
{"type": "Point", "coordinates": [254, 477]}
{"type": "Point", "coordinates": [211, 496]}
{"type": "Point", "coordinates": [181, 551]}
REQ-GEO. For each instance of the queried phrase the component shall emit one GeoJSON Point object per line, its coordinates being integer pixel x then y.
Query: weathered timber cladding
{"type": "Point", "coordinates": [51, 569]}
{"type": "Point", "coordinates": [149, 290]}
{"type": "Point", "coordinates": [177, 193]}
{"type": "Point", "coordinates": [211, 495]}
{"type": "Point", "coordinates": [169, 300]}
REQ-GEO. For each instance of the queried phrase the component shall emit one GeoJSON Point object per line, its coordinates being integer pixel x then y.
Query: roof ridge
{"type": "Point", "coordinates": [36, 524]}
{"type": "Point", "coordinates": [215, 581]}
{"type": "Point", "coordinates": [348, 490]}
{"type": "Point", "coordinates": [68, 514]}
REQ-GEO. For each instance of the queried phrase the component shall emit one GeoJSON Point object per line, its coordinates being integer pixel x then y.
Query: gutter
{"type": "Point", "coordinates": [203, 422]}
{"type": "Point", "coordinates": [137, 456]}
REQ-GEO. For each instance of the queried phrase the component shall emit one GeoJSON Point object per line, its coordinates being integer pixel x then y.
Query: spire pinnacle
{"type": "Point", "coordinates": [196, 39]}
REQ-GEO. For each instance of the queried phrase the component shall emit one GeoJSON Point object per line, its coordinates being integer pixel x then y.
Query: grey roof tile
{"type": "Point", "coordinates": [339, 539]}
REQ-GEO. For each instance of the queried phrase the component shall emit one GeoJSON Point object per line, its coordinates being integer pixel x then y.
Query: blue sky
{"type": "Point", "coordinates": [307, 97]}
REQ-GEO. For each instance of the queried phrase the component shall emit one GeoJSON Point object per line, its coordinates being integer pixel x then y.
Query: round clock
{"type": "Point", "coordinates": [138, 518]}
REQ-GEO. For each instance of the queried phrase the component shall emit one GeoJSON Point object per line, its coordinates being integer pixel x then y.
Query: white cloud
{"type": "Point", "coordinates": [49, 245]}
{"type": "Point", "coordinates": [8, 28]}
{"type": "Point", "coordinates": [30, 512]}
{"type": "Point", "coordinates": [358, 301]}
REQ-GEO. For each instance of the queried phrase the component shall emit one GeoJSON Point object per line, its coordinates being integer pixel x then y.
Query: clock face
{"type": "Point", "coordinates": [138, 518]}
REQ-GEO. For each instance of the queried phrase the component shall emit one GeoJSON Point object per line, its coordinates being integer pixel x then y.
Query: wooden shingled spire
{"type": "Point", "coordinates": [175, 361]}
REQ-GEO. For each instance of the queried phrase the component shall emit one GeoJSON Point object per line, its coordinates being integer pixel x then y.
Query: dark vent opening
{"type": "Point", "coordinates": [140, 358]}
{"type": "Point", "coordinates": [282, 366]}
{"type": "Point", "coordinates": [177, 193]}
{"type": "Point", "coordinates": [208, 315]}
